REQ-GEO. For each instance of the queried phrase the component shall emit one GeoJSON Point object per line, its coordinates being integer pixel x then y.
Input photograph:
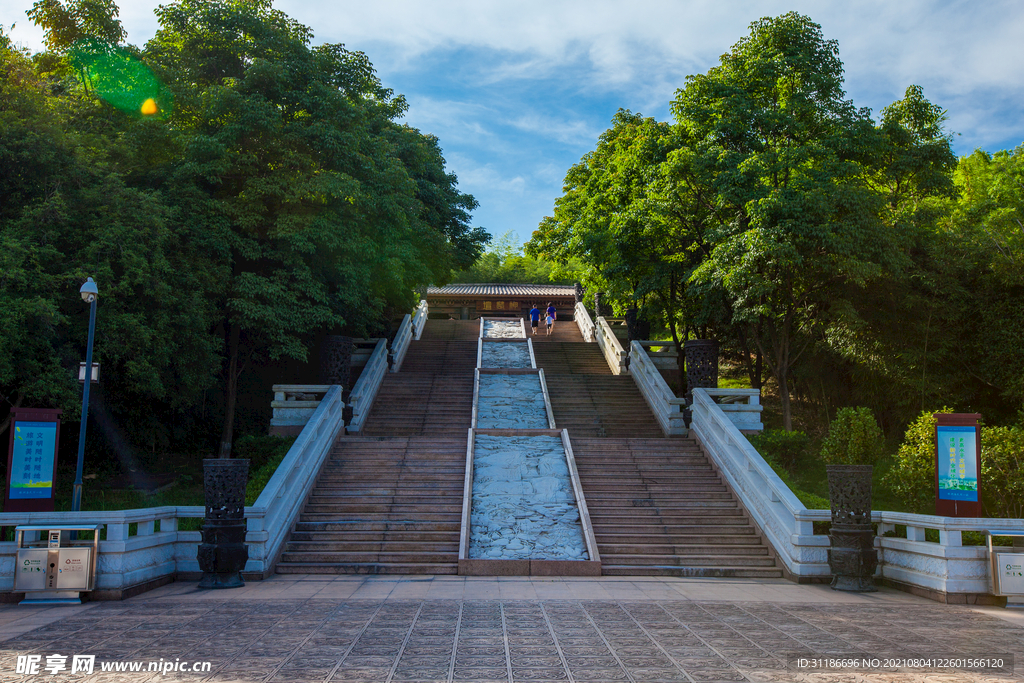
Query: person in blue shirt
{"type": "Point", "coordinates": [552, 314]}
{"type": "Point", "coordinates": [534, 318]}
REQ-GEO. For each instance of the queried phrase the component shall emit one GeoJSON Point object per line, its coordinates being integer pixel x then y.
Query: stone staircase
{"type": "Point", "coordinates": [432, 395]}
{"type": "Point", "coordinates": [659, 508]}
{"type": "Point", "coordinates": [384, 505]}
{"type": "Point", "coordinates": [390, 499]}
{"type": "Point", "coordinates": [587, 399]}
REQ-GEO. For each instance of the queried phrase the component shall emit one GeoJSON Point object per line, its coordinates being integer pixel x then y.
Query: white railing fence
{"type": "Point", "coordinates": [944, 569]}
{"type": "Point", "coordinates": [400, 345]}
{"type": "Point", "coordinates": [583, 321]}
{"type": "Point", "coordinates": [611, 347]}
{"type": "Point", "coordinates": [159, 550]}
{"type": "Point", "coordinates": [659, 396]}
{"type": "Point", "coordinates": [742, 406]}
{"type": "Point", "coordinates": [365, 390]}
{"type": "Point", "coordinates": [419, 319]}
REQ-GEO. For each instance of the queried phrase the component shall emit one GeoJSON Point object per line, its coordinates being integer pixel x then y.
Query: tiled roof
{"type": "Point", "coordinates": [501, 290]}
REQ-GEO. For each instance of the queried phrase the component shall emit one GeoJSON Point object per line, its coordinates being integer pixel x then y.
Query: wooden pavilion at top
{"type": "Point", "coordinates": [472, 301]}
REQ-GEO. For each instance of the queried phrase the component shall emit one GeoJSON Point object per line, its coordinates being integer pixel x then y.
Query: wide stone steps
{"type": "Point", "coordinates": [599, 405]}
{"type": "Point", "coordinates": [558, 357]}
{"type": "Point", "coordinates": [383, 505]}
{"type": "Point", "coordinates": [659, 508]}
{"type": "Point", "coordinates": [418, 404]}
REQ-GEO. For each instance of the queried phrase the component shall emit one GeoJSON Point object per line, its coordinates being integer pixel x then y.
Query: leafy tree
{"type": "Point", "coordinates": [786, 151]}
{"type": "Point", "coordinates": [505, 261]}
{"type": "Point", "coordinates": [292, 173]}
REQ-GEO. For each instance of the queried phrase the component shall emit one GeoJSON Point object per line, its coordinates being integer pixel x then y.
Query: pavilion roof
{"type": "Point", "coordinates": [497, 289]}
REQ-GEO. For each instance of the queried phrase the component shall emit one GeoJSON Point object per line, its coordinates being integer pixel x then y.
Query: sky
{"type": "Point", "coordinates": [517, 92]}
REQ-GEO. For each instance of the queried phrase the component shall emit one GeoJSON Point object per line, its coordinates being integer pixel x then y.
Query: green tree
{"type": "Point", "coordinates": [291, 173]}
{"type": "Point", "coordinates": [785, 152]}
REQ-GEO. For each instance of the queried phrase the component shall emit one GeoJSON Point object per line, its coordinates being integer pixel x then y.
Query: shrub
{"type": "Point", "coordinates": [912, 477]}
{"type": "Point", "coordinates": [1002, 471]}
{"type": "Point", "coordinates": [785, 448]}
{"type": "Point", "coordinates": [265, 453]}
{"type": "Point", "coordinates": [853, 438]}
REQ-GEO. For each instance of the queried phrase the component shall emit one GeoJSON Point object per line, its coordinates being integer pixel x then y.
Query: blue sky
{"type": "Point", "coordinates": [518, 91]}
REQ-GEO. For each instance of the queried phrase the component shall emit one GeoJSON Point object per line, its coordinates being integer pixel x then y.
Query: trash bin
{"type": "Point", "coordinates": [1007, 565]}
{"type": "Point", "coordinates": [52, 567]}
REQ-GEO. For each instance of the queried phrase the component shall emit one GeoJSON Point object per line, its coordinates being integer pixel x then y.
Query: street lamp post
{"type": "Point", "coordinates": [89, 294]}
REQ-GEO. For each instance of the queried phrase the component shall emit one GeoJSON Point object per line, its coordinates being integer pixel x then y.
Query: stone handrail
{"type": "Point", "coordinates": [940, 569]}
{"type": "Point", "coordinates": [272, 516]}
{"type": "Point", "coordinates": [128, 561]}
{"type": "Point", "coordinates": [611, 348]}
{"type": "Point", "coordinates": [124, 561]}
{"type": "Point", "coordinates": [584, 322]}
{"type": "Point", "coordinates": [743, 406]}
{"type": "Point", "coordinates": [365, 390]}
{"type": "Point", "coordinates": [659, 396]}
{"type": "Point", "coordinates": [419, 319]}
{"type": "Point", "coordinates": [766, 498]}
{"type": "Point", "coordinates": [400, 345]}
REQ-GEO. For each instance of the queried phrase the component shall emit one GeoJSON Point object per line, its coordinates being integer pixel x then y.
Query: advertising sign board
{"type": "Point", "coordinates": [32, 460]}
{"type": "Point", "coordinates": [957, 464]}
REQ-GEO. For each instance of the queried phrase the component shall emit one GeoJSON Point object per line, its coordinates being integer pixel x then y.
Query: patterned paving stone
{"type": "Point", "coordinates": [559, 640]}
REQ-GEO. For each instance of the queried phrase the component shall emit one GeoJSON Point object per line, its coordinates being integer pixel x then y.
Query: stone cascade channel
{"type": "Point", "coordinates": [524, 500]}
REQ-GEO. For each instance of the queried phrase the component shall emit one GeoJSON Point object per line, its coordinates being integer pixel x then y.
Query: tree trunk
{"type": "Point", "coordinates": [232, 391]}
{"type": "Point", "coordinates": [787, 416]}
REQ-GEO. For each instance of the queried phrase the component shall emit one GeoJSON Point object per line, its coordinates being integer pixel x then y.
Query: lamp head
{"type": "Point", "coordinates": [89, 291]}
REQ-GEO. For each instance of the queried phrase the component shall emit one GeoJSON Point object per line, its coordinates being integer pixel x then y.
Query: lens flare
{"type": "Point", "coordinates": [119, 78]}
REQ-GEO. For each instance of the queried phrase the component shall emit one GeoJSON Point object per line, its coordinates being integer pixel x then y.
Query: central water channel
{"type": "Point", "coordinates": [523, 502]}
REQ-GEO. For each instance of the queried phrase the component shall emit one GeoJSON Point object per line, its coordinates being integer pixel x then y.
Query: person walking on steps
{"type": "Point", "coordinates": [552, 314]}
{"type": "Point", "coordinates": [534, 318]}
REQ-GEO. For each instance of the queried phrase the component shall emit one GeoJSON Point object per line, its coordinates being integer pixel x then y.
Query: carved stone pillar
{"type": "Point", "coordinates": [701, 357]}
{"type": "Point", "coordinates": [222, 554]}
{"type": "Point", "coordinates": [600, 309]}
{"type": "Point", "coordinates": [578, 292]}
{"type": "Point", "coordinates": [336, 362]}
{"type": "Point", "coordinates": [636, 327]}
{"type": "Point", "coordinates": [852, 556]}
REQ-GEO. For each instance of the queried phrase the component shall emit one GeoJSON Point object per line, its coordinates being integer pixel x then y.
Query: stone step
{"type": "Point", "coordinates": [420, 518]}
{"type": "Point", "coordinates": [364, 525]}
{"type": "Point", "coordinates": [691, 571]}
{"type": "Point", "coordinates": [326, 557]}
{"type": "Point", "coordinates": [375, 537]}
{"type": "Point", "coordinates": [620, 550]}
{"type": "Point", "coordinates": [390, 546]}
{"type": "Point", "coordinates": [691, 561]}
{"type": "Point", "coordinates": [368, 568]}
{"type": "Point", "coordinates": [362, 508]}
{"type": "Point", "coordinates": [722, 536]}
{"type": "Point", "coordinates": [722, 525]}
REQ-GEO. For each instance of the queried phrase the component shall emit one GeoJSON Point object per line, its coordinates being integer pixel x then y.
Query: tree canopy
{"type": "Point", "coordinates": [847, 255]}
{"type": "Point", "coordinates": [233, 189]}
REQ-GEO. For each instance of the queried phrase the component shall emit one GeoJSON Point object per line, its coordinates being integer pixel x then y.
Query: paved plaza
{"type": "Point", "coordinates": [350, 628]}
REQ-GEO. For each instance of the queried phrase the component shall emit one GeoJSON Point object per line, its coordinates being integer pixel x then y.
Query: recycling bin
{"type": "Point", "coordinates": [53, 565]}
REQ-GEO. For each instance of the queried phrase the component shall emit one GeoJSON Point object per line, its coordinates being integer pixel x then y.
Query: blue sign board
{"type": "Point", "coordinates": [32, 460]}
{"type": "Point", "coordinates": [958, 463]}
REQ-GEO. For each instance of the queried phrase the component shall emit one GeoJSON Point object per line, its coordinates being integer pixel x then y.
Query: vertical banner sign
{"type": "Point", "coordinates": [32, 460]}
{"type": "Point", "coordinates": [957, 464]}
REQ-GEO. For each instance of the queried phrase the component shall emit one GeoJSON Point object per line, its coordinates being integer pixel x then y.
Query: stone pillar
{"type": "Point", "coordinates": [600, 309]}
{"type": "Point", "coordinates": [851, 555]}
{"type": "Point", "coordinates": [336, 362]}
{"type": "Point", "coordinates": [222, 554]}
{"type": "Point", "coordinates": [637, 327]}
{"type": "Point", "coordinates": [578, 292]}
{"type": "Point", "coordinates": [701, 365]}
{"type": "Point", "coordinates": [701, 356]}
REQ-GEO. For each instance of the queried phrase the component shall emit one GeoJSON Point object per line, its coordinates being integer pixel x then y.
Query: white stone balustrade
{"type": "Point", "coordinates": [611, 347]}
{"type": "Point", "coordinates": [660, 398]}
{"type": "Point", "coordinates": [365, 391]}
{"type": "Point", "coordinates": [129, 561]}
{"type": "Point", "coordinates": [584, 322]}
{"type": "Point", "coordinates": [945, 570]}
